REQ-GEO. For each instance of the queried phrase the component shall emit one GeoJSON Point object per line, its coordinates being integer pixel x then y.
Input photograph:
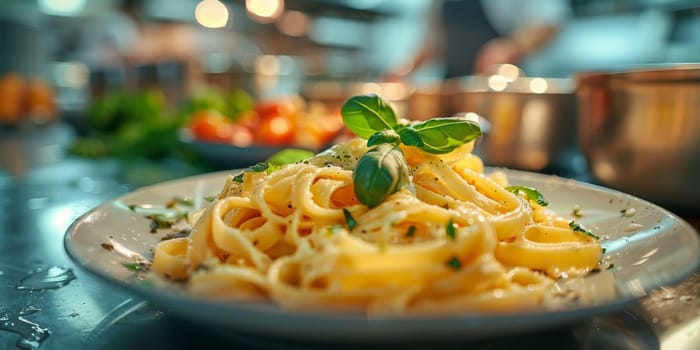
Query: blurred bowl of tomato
{"type": "Point", "coordinates": [225, 155]}
{"type": "Point", "coordinates": [253, 135]}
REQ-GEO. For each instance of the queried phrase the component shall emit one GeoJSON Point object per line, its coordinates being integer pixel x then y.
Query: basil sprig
{"type": "Point", "coordinates": [383, 170]}
{"type": "Point", "coordinates": [532, 194]}
{"type": "Point", "coordinates": [368, 115]}
{"type": "Point", "coordinates": [379, 173]}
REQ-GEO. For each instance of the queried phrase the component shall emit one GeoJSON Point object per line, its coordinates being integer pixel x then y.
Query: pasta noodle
{"type": "Point", "coordinates": [455, 240]}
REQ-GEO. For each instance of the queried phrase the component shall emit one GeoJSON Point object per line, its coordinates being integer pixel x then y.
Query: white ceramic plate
{"type": "Point", "coordinates": [648, 249]}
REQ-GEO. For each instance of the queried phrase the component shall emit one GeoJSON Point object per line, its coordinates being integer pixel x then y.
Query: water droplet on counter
{"type": "Point", "coordinates": [668, 296]}
{"type": "Point", "coordinates": [686, 298]}
{"type": "Point", "coordinates": [31, 334]}
{"type": "Point", "coordinates": [28, 310]}
{"type": "Point", "coordinates": [655, 320]}
{"type": "Point", "coordinates": [46, 278]}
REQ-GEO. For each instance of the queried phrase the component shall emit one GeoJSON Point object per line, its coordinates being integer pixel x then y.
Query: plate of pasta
{"type": "Point", "coordinates": [397, 235]}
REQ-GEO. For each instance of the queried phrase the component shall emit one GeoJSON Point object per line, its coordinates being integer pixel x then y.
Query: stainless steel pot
{"type": "Point", "coordinates": [640, 131]}
{"type": "Point", "coordinates": [532, 120]}
{"type": "Point", "coordinates": [334, 93]}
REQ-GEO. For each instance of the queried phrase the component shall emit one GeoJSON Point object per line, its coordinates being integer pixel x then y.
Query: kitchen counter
{"type": "Point", "coordinates": [42, 190]}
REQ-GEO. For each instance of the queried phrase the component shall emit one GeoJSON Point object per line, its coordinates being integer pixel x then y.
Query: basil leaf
{"type": "Point", "coordinates": [289, 156]}
{"type": "Point", "coordinates": [442, 135]}
{"type": "Point", "coordinates": [410, 137]}
{"type": "Point", "coordinates": [384, 136]}
{"type": "Point", "coordinates": [379, 173]}
{"type": "Point", "coordinates": [578, 228]}
{"type": "Point", "coordinates": [532, 194]}
{"type": "Point", "coordinates": [366, 114]}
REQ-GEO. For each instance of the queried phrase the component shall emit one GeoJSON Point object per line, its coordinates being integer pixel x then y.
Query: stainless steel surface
{"type": "Point", "coordinates": [640, 125]}
{"type": "Point", "coordinates": [41, 198]}
{"type": "Point", "coordinates": [533, 120]}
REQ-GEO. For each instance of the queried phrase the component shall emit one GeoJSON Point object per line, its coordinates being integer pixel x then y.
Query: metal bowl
{"type": "Point", "coordinates": [532, 121]}
{"type": "Point", "coordinates": [640, 131]}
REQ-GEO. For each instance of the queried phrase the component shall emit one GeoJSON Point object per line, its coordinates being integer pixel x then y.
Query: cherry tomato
{"type": "Point", "coordinates": [241, 136]}
{"type": "Point", "coordinates": [277, 131]}
{"type": "Point", "coordinates": [269, 109]}
{"type": "Point", "coordinates": [211, 126]}
{"type": "Point", "coordinates": [248, 119]}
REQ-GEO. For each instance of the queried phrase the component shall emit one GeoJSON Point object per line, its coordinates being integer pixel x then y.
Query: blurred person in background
{"type": "Point", "coordinates": [474, 36]}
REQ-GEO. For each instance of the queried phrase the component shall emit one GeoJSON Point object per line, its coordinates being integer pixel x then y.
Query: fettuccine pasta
{"type": "Point", "coordinates": [455, 240]}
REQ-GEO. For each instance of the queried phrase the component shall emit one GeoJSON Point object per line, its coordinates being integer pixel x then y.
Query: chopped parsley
{"type": "Point", "coordinates": [331, 230]}
{"type": "Point", "coordinates": [210, 198]}
{"type": "Point", "coordinates": [172, 203]}
{"type": "Point", "coordinates": [136, 266]}
{"type": "Point", "coordinates": [454, 263]}
{"type": "Point", "coordinates": [532, 194]}
{"type": "Point", "coordinates": [411, 231]}
{"type": "Point", "coordinates": [349, 219]}
{"type": "Point", "coordinates": [166, 220]}
{"type": "Point", "coordinates": [181, 201]}
{"type": "Point", "coordinates": [578, 228]}
{"type": "Point", "coordinates": [257, 168]}
{"type": "Point", "coordinates": [450, 229]}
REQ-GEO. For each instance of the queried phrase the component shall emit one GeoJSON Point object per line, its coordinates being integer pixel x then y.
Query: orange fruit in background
{"type": "Point", "coordinates": [12, 87]}
{"type": "Point", "coordinates": [40, 99]}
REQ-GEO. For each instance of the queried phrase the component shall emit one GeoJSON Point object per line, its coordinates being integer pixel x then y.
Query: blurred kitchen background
{"type": "Point", "coordinates": [164, 79]}
{"type": "Point", "coordinates": [82, 48]}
